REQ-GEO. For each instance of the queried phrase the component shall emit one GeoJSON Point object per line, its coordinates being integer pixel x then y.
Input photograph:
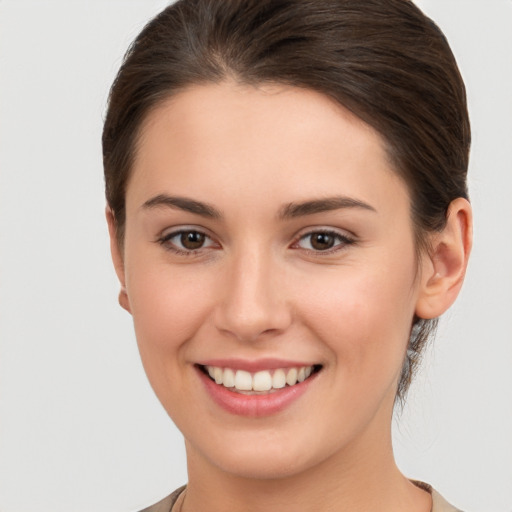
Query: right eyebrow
{"type": "Point", "coordinates": [182, 203]}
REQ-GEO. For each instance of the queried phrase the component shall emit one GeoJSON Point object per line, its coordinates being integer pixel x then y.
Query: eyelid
{"type": "Point", "coordinates": [345, 237]}
{"type": "Point", "coordinates": [180, 228]}
{"type": "Point", "coordinates": [166, 235]}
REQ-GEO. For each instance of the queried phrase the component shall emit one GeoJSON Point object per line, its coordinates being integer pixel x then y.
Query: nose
{"type": "Point", "coordinates": [252, 302]}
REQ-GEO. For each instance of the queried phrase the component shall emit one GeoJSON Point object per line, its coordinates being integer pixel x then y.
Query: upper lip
{"type": "Point", "coordinates": [255, 365]}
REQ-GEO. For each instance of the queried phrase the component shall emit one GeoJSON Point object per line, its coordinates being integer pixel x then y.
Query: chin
{"type": "Point", "coordinates": [262, 456]}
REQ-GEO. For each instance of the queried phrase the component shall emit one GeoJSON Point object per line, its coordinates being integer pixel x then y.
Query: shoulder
{"type": "Point", "coordinates": [439, 504]}
{"type": "Point", "coordinates": [166, 504]}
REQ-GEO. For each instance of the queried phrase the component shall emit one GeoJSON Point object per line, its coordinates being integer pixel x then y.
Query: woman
{"type": "Point", "coordinates": [288, 215]}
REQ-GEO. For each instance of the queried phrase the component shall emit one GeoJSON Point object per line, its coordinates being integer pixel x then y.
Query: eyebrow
{"type": "Point", "coordinates": [294, 210]}
{"type": "Point", "coordinates": [289, 211]}
{"type": "Point", "coordinates": [182, 203]}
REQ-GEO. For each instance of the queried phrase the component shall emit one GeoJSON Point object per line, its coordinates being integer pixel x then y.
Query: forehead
{"type": "Point", "coordinates": [280, 139]}
{"type": "Point", "coordinates": [246, 113]}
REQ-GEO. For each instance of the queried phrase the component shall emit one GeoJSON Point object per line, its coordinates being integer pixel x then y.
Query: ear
{"type": "Point", "coordinates": [117, 258]}
{"type": "Point", "coordinates": [444, 268]}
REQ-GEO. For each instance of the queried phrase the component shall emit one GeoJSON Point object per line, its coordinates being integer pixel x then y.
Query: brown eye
{"type": "Point", "coordinates": [186, 241]}
{"type": "Point", "coordinates": [192, 240]}
{"type": "Point", "coordinates": [319, 241]}
{"type": "Point", "coordinates": [322, 241]}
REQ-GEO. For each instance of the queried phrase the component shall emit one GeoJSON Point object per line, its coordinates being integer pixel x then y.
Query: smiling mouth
{"type": "Point", "coordinates": [261, 382]}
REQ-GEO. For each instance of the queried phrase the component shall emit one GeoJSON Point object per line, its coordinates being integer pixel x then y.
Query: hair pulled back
{"type": "Point", "coordinates": [384, 60]}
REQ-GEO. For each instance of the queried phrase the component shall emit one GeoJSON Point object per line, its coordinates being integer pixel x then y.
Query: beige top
{"type": "Point", "coordinates": [439, 504]}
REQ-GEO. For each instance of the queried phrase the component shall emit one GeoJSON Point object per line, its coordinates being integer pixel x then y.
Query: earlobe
{"type": "Point", "coordinates": [444, 268]}
{"type": "Point", "coordinates": [117, 258]}
{"type": "Point", "coordinates": [123, 299]}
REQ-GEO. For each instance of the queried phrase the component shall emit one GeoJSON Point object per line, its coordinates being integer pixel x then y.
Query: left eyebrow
{"type": "Point", "coordinates": [293, 210]}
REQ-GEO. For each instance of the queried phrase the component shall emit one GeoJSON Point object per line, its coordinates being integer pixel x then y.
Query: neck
{"type": "Point", "coordinates": [354, 479]}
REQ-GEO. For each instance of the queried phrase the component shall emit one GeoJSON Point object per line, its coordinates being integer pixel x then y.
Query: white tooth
{"type": "Point", "coordinates": [262, 381]}
{"type": "Point", "coordinates": [217, 375]}
{"type": "Point", "coordinates": [211, 371]}
{"type": "Point", "coordinates": [301, 376]}
{"type": "Point", "coordinates": [243, 380]}
{"type": "Point", "coordinates": [309, 369]}
{"type": "Point", "coordinates": [228, 379]}
{"type": "Point", "coordinates": [279, 379]}
{"type": "Point", "coordinates": [291, 377]}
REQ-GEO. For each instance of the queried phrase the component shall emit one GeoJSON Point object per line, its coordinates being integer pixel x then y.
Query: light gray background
{"type": "Point", "coordinates": [80, 430]}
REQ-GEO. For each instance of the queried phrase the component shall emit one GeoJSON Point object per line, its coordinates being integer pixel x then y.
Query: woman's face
{"type": "Point", "coordinates": [267, 237]}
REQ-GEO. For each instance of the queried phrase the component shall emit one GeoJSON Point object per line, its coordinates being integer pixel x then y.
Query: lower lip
{"type": "Point", "coordinates": [254, 405]}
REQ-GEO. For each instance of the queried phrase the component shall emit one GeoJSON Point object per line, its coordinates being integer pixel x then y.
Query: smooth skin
{"type": "Point", "coordinates": [230, 266]}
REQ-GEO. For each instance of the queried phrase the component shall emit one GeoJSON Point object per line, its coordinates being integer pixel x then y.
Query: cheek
{"type": "Point", "coordinates": [364, 318]}
{"type": "Point", "coordinates": [169, 305]}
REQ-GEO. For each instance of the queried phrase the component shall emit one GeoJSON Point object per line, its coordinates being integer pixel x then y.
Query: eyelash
{"type": "Point", "coordinates": [343, 241]}
{"type": "Point", "coordinates": [165, 241]}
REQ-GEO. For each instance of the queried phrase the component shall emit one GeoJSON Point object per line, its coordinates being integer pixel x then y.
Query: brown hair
{"type": "Point", "coordinates": [382, 59]}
